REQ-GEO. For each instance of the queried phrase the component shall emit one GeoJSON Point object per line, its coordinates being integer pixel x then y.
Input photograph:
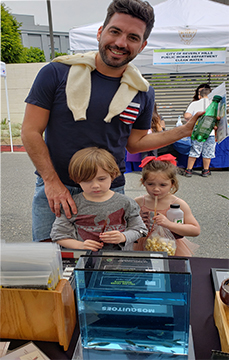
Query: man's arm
{"type": "Point", "coordinates": [33, 127]}
{"type": "Point", "coordinates": [140, 141]}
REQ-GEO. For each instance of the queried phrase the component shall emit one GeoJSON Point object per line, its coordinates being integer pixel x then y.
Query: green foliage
{"type": "Point", "coordinates": [4, 121]}
{"type": "Point", "coordinates": [223, 196]}
{"type": "Point", "coordinates": [57, 54]}
{"type": "Point", "coordinates": [12, 50]}
{"type": "Point", "coordinates": [11, 46]}
{"type": "Point", "coordinates": [15, 129]}
{"type": "Point", "coordinates": [33, 55]}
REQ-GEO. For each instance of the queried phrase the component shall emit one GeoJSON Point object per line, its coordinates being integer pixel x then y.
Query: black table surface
{"type": "Point", "coordinates": [204, 331]}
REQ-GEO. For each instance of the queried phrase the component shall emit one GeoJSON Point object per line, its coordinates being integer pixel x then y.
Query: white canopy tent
{"type": "Point", "coordinates": [179, 24]}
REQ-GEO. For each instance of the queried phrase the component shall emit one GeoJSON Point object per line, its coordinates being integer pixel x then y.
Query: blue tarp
{"type": "Point", "coordinates": [221, 159]}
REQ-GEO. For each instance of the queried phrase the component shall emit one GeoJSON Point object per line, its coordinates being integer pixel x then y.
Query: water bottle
{"type": "Point", "coordinates": [179, 122]}
{"type": "Point", "coordinates": [206, 122]}
{"type": "Point", "coordinates": [175, 214]}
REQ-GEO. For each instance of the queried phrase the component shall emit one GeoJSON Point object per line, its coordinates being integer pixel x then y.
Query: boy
{"type": "Point", "coordinates": [105, 219]}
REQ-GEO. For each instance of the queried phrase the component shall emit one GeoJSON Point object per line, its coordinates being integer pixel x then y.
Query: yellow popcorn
{"type": "Point", "coordinates": [158, 243]}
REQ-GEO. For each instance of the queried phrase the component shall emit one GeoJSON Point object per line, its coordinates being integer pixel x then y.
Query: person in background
{"type": "Point", "coordinates": [93, 99]}
{"type": "Point", "coordinates": [105, 219]}
{"type": "Point", "coordinates": [160, 180]}
{"type": "Point", "coordinates": [196, 97]}
{"type": "Point", "coordinates": [157, 125]}
{"type": "Point", "coordinates": [207, 148]}
{"type": "Point", "coordinates": [198, 89]}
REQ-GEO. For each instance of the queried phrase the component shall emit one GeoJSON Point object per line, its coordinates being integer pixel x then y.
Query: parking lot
{"type": "Point", "coordinates": [210, 209]}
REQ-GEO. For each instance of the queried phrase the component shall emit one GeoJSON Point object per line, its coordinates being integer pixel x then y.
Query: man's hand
{"type": "Point", "coordinates": [191, 122]}
{"type": "Point", "coordinates": [112, 237]}
{"type": "Point", "coordinates": [57, 195]}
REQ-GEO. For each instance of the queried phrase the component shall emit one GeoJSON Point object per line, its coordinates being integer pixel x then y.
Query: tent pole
{"type": "Point", "coordinates": [8, 111]}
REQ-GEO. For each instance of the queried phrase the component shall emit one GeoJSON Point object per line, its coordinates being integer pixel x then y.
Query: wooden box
{"type": "Point", "coordinates": [221, 316]}
{"type": "Point", "coordinates": [42, 315]}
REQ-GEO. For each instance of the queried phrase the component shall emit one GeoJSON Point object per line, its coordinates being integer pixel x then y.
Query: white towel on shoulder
{"type": "Point", "coordinates": [78, 87]}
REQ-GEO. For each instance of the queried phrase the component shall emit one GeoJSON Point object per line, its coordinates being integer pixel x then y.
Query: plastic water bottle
{"type": "Point", "coordinates": [206, 123]}
{"type": "Point", "coordinates": [179, 122]}
{"type": "Point", "coordinates": [175, 214]}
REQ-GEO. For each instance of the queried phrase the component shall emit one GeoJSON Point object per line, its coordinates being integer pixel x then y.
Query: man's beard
{"type": "Point", "coordinates": [115, 63]}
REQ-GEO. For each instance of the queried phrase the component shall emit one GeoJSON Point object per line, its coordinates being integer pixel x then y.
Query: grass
{"type": "Point", "coordinates": [5, 132]}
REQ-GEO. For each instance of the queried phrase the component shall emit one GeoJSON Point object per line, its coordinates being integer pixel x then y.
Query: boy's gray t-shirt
{"type": "Point", "coordinates": [119, 212]}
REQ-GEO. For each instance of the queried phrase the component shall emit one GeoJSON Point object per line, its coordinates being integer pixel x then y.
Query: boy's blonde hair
{"type": "Point", "coordinates": [164, 166]}
{"type": "Point", "coordinates": [84, 164]}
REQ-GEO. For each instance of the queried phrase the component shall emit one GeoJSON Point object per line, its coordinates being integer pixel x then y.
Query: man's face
{"type": "Point", "coordinates": [121, 40]}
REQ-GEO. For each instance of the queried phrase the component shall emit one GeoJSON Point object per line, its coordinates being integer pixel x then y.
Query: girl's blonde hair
{"type": "Point", "coordinates": [84, 164]}
{"type": "Point", "coordinates": [164, 166]}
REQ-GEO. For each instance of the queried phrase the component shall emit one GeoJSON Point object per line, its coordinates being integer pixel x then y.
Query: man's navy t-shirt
{"type": "Point", "coordinates": [64, 136]}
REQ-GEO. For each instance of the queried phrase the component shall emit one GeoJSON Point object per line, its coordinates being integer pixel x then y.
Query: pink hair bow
{"type": "Point", "coordinates": [165, 157]}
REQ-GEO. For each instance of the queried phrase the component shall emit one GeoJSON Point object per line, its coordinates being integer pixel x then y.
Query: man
{"type": "Point", "coordinates": [94, 99]}
{"type": "Point", "coordinates": [207, 148]}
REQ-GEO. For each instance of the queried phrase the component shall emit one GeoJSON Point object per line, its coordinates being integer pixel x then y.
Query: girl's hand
{"type": "Point", "coordinates": [112, 237]}
{"type": "Point", "coordinates": [162, 220]}
{"type": "Point", "coordinates": [91, 245]}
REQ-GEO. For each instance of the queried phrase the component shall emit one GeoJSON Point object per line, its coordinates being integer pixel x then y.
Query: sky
{"type": "Point", "coordinates": [66, 14]}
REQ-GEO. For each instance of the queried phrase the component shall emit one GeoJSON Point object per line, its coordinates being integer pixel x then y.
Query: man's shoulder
{"type": "Point", "coordinates": [59, 66]}
{"type": "Point", "coordinates": [146, 96]}
{"type": "Point", "coordinates": [151, 90]}
{"type": "Point", "coordinates": [53, 71]}
{"type": "Point", "coordinates": [56, 67]}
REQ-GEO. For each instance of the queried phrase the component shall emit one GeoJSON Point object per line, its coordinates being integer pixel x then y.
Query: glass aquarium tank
{"type": "Point", "coordinates": [134, 307]}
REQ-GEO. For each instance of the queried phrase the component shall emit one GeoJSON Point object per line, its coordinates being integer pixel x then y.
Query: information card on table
{"type": "Point", "coordinates": [27, 352]}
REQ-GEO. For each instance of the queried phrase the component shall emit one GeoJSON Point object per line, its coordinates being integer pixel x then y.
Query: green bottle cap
{"type": "Point", "coordinates": [217, 98]}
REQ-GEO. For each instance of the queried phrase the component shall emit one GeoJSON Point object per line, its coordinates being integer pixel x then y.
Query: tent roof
{"type": "Point", "coordinates": [205, 23]}
{"type": "Point", "coordinates": [188, 13]}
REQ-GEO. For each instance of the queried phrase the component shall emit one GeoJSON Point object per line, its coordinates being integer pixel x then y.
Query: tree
{"type": "Point", "coordinates": [58, 54]}
{"type": "Point", "coordinates": [11, 45]}
{"type": "Point", "coordinates": [33, 55]}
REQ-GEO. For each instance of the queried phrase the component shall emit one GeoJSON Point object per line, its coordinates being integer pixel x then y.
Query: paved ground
{"type": "Point", "coordinates": [211, 210]}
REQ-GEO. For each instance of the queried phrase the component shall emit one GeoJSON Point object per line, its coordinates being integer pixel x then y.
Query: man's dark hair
{"type": "Point", "coordinates": [136, 8]}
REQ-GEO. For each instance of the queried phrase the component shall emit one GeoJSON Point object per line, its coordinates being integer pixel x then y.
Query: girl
{"type": "Point", "coordinates": [160, 181]}
{"type": "Point", "coordinates": [105, 219]}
